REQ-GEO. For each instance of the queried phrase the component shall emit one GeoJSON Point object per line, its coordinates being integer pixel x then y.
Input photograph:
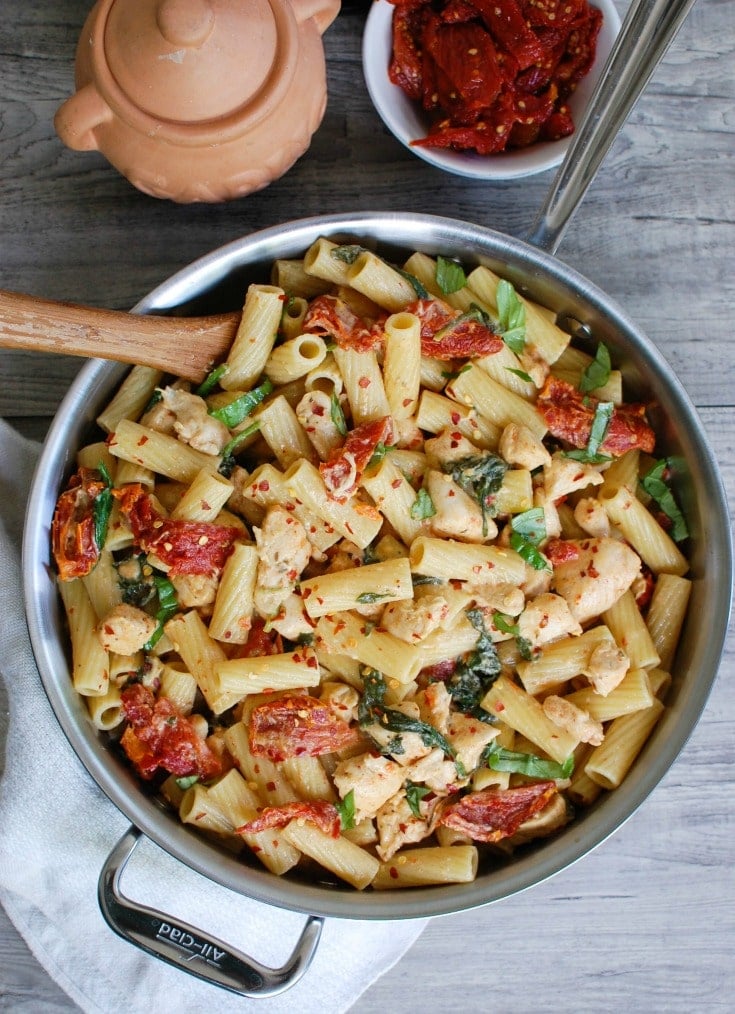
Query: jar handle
{"type": "Point", "coordinates": [322, 11]}
{"type": "Point", "coordinates": [78, 118]}
{"type": "Point", "coordinates": [189, 949]}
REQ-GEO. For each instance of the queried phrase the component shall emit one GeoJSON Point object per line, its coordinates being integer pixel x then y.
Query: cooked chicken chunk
{"type": "Point", "coordinates": [284, 552]}
{"type": "Point", "coordinates": [574, 720]}
{"type": "Point", "coordinates": [457, 516]}
{"type": "Point", "coordinates": [565, 475]}
{"type": "Point", "coordinates": [595, 580]}
{"type": "Point", "coordinates": [519, 446]}
{"type": "Point", "coordinates": [606, 667]}
{"type": "Point", "coordinates": [399, 826]}
{"type": "Point", "coordinates": [125, 629]}
{"type": "Point", "coordinates": [547, 618]}
{"type": "Point", "coordinates": [413, 620]}
{"type": "Point", "coordinates": [193, 424]}
{"type": "Point", "coordinates": [372, 779]}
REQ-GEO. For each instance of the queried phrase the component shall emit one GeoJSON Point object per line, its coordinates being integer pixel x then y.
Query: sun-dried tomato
{"type": "Point", "coordinates": [352, 458]}
{"type": "Point", "coordinates": [318, 812]}
{"type": "Point", "coordinates": [297, 726]}
{"type": "Point", "coordinates": [332, 316]}
{"type": "Point", "coordinates": [493, 814]}
{"type": "Point", "coordinates": [569, 415]}
{"type": "Point", "coordinates": [493, 74]}
{"type": "Point", "coordinates": [74, 545]}
{"type": "Point", "coordinates": [159, 736]}
{"type": "Point", "coordinates": [186, 547]}
{"type": "Point", "coordinates": [447, 334]}
{"type": "Point", "coordinates": [260, 642]}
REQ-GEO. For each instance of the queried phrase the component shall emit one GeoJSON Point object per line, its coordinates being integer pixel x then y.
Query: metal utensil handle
{"type": "Point", "coordinates": [645, 35]}
{"type": "Point", "coordinates": [186, 947]}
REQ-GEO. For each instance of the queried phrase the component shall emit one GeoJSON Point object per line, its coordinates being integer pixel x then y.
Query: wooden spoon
{"type": "Point", "coordinates": [185, 346]}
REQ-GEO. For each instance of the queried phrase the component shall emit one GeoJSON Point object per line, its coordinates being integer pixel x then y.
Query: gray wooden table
{"type": "Point", "coordinates": [647, 922]}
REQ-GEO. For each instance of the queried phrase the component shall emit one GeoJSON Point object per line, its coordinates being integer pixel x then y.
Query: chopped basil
{"type": "Point", "coordinates": [153, 400]}
{"type": "Point", "coordinates": [597, 373]}
{"type": "Point", "coordinates": [655, 485]}
{"type": "Point", "coordinates": [370, 598]}
{"type": "Point", "coordinates": [590, 455]}
{"type": "Point", "coordinates": [102, 507]}
{"type": "Point", "coordinates": [497, 758]}
{"type": "Point", "coordinates": [338, 416]}
{"type": "Point", "coordinates": [418, 288]}
{"type": "Point", "coordinates": [187, 781]}
{"type": "Point", "coordinates": [531, 524]}
{"type": "Point", "coordinates": [239, 409]}
{"type": "Point", "coordinates": [414, 794]}
{"type": "Point", "coordinates": [347, 253]}
{"type": "Point", "coordinates": [511, 317]}
{"type": "Point", "coordinates": [600, 423]}
{"type": "Point", "coordinates": [480, 476]}
{"type": "Point", "coordinates": [211, 380]}
{"type": "Point", "coordinates": [475, 674]}
{"type": "Point", "coordinates": [378, 454]}
{"type": "Point", "coordinates": [450, 276]}
{"type": "Point", "coordinates": [423, 506]}
{"type": "Point", "coordinates": [505, 626]}
{"type": "Point", "coordinates": [453, 374]}
{"type": "Point", "coordinates": [346, 810]}
{"type": "Point", "coordinates": [528, 531]}
{"type": "Point", "coordinates": [371, 709]}
{"type": "Point", "coordinates": [227, 464]}
{"type": "Point", "coordinates": [520, 373]}
{"type": "Point", "coordinates": [168, 606]}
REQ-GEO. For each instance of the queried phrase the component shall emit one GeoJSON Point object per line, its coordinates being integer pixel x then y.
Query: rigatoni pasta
{"type": "Point", "coordinates": [380, 594]}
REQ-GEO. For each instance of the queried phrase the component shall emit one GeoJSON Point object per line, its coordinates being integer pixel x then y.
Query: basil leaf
{"type": "Point", "coordinates": [528, 552]}
{"type": "Point", "coordinates": [600, 423]}
{"type": "Point", "coordinates": [338, 416]}
{"type": "Point", "coordinates": [378, 454]}
{"type": "Point", "coordinates": [474, 675]}
{"type": "Point", "coordinates": [346, 810]}
{"type": "Point", "coordinates": [453, 374]}
{"type": "Point", "coordinates": [227, 464]}
{"type": "Point", "coordinates": [102, 507]}
{"type": "Point", "coordinates": [511, 316]}
{"type": "Point", "coordinates": [520, 373]}
{"type": "Point", "coordinates": [414, 794]}
{"type": "Point", "coordinates": [347, 252]}
{"type": "Point", "coordinates": [370, 598]}
{"type": "Point", "coordinates": [211, 380]}
{"type": "Point", "coordinates": [418, 288]}
{"type": "Point", "coordinates": [168, 606]}
{"type": "Point", "coordinates": [504, 626]}
{"type": "Point", "coordinates": [480, 476]}
{"type": "Point", "coordinates": [239, 409]}
{"type": "Point", "coordinates": [531, 524]}
{"type": "Point", "coordinates": [654, 484]}
{"type": "Point", "coordinates": [586, 458]}
{"type": "Point", "coordinates": [423, 506]}
{"type": "Point", "coordinates": [371, 709]}
{"type": "Point", "coordinates": [497, 758]}
{"type": "Point", "coordinates": [450, 276]}
{"type": "Point", "coordinates": [597, 373]}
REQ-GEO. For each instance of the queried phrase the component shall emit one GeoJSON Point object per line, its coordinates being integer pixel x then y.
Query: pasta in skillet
{"type": "Point", "coordinates": [397, 587]}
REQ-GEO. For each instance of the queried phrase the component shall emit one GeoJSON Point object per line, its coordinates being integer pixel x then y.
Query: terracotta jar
{"type": "Point", "coordinates": [199, 100]}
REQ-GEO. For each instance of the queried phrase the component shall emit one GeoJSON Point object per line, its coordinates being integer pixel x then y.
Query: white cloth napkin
{"type": "Point", "coordinates": [57, 828]}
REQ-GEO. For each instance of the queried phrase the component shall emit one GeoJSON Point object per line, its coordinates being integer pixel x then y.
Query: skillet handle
{"type": "Point", "coordinates": [186, 947]}
{"type": "Point", "coordinates": [646, 33]}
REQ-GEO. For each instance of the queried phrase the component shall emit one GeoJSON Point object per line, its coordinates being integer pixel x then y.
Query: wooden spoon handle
{"type": "Point", "coordinates": [185, 346]}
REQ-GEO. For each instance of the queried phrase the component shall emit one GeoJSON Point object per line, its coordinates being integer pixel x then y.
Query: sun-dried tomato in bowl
{"type": "Point", "coordinates": [493, 74]}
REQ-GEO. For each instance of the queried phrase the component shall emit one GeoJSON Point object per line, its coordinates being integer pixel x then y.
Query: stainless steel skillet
{"type": "Point", "coordinates": [216, 282]}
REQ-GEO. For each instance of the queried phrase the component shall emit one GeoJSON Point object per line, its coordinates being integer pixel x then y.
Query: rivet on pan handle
{"type": "Point", "coordinates": [186, 947]}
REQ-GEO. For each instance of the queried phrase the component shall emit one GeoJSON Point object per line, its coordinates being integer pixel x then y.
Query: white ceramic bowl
{"type": "Point", "coordinates": [407, 121]}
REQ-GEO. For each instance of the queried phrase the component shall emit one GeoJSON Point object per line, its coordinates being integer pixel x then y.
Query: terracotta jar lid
{"type": "Point", "coordinates": [238, 86]}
